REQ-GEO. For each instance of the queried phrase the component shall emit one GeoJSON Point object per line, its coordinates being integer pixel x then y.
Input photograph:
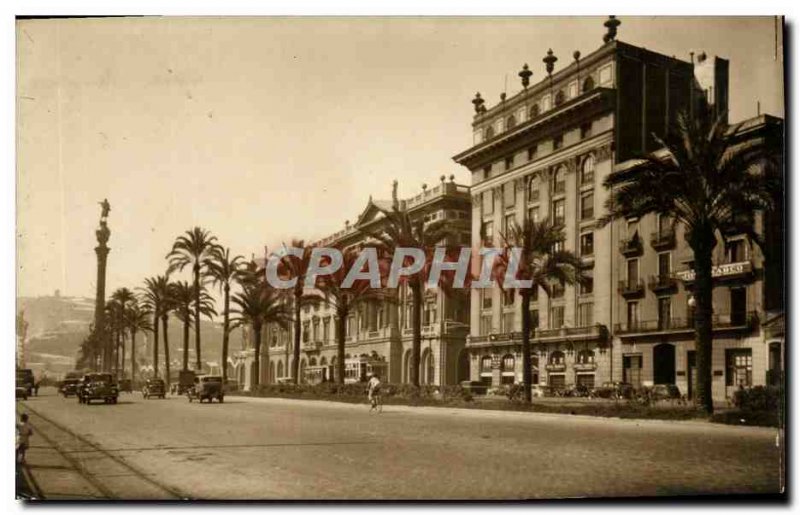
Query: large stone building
{"type": "Point", "coordinates": [545, 152]}
{"type": "Point", "coordinates": [378, 334]}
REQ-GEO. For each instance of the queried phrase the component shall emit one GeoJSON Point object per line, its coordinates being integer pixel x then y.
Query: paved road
{"type": "Point", "coordinates": [282, 449]}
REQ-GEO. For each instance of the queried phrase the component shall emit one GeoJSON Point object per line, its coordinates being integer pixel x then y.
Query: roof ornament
{"type": "Point", "coordinates": [549, 62]}
{"type": "Point", "coordinates": [525, 75]}
{"type": "Point", "coordinates": [611, 24]}
{"type": "Point", "coordinates": [577, 56]}
{"type": "Point", "coordinates": [478, 103]}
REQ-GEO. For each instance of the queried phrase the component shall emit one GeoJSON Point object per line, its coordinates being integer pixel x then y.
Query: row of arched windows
{"type": "Point", "coordinates": [559, 178]}
{"type": "Point", "coordinates": [507, 362]}
{"type": "Point", "coordinates": [537, 108]}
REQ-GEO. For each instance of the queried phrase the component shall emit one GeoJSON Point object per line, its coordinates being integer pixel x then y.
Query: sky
{"type": "Point", "coordinates": [262, 130]}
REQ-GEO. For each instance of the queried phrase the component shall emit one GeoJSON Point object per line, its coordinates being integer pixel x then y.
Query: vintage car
{"type": "Point", "coordinates": [69, 387]}
{"type": "Point", "coordinates": [154, 388]}
{"type": "Point", "coordinates": [21, 392]}
{"type": "Point", "coordinates": [25, 380]}
{"type": "Point", "coordinates": [98, 386]}
{"type": "Point", "coordinates": [206, 388]}
{"type": "Point", "coordinates": [184, 383]}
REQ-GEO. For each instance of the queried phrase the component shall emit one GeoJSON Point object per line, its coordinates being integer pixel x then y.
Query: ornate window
{"type": "Point", "coordinates": [489, 132]}
{"type": "Point", "coordinates": [560, 96]}
{"type": "Point", "coordinates": [556, 358]}
{"type": "Point", "coordinates": [586, 357]}
{"type": "Point", "coordinates": [587, 170]}
{"type": "Point", "coordinates": [486, 365]}
{"type": "Point", "coordinates": [535, 111]}
{"type": "Point", "coordinates": [510, 122]}
{"type": "Point", "coordinates": [560, 180]}
{"type": "Point", "coordinates": [533, 189]}
{"type": "Point", "coordinates": [588, 84]}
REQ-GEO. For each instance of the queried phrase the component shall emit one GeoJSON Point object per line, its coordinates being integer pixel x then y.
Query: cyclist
{"type": "Point", "coordinates": [374, 393]}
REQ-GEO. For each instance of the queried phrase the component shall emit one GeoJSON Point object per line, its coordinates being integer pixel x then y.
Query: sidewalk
{"type": "Point", "coordinates": [705, 425]}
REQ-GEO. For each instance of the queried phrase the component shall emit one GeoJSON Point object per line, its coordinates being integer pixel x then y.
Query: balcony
{"type": "Point", "coordinates": [663, 239]}
{"type": "Point", "coordinates": [555, 367]}
{"type": "Point", "coordinates": [720, 322]}
{"type": "Point", "coordinates": [590, 333]}
{"type": "Point", "coordinates": [662, 283]}
{"type": "Point", "coordinates": [738, 271]}
{"type": "Point", "coordinates": [631, 247]}
{"type": "Point", "coordinates": [631, 288]}
{"type": "Point", "coordinates": [585, 367]}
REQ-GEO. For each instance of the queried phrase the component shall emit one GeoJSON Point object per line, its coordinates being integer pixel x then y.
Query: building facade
{"type": "Point", "coordinates": [379, 333]}
{"type": "Point", "coordinates": [546, 152]}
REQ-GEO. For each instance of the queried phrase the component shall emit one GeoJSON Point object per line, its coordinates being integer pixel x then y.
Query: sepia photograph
{"type": "Point", "coordinates": [400, 258]}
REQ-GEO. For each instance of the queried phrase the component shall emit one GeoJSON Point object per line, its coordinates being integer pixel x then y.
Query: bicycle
{"type": "Point", "coordinates": [376, 402]}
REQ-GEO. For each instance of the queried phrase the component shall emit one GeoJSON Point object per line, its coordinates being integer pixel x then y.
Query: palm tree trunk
{"type": "Point", "coordinates": [256, 356]}
{"type": "Point", "coordinates": [186, 324]}
{"type": "Point", "coordinates": [155, 342]}
{"type": "Point", "coordinates": [703, 287]}
{"type": "Point", "coordinates": [296, 349]}
{"type": "Point", "coordinates": [225, 323]}
{"type": "Point", "coordinates": [341, 331]}
{"type": "Point", "coordinates": [526, 345]}
{"type": "Point", "coordinates": [416, 323]}
{"type": "Point", "coordinates": [197, 317]}
{"type": "Point", "coordinates": [133, 356]}
{"type": "Point", "coordinates": [165, 324]}
{"type": "Point", "coordinates": [122, 361]}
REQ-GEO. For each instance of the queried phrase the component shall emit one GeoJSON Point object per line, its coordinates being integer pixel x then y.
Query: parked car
{"type": "Point", "coordinates": [185, 382]}
{"type": "Point", "coordinates": [614, 390]}
{"type": "Point", "coordinates": [21, 392]}
{"type": "Point", "coordinates": [98, 386]}
{"type": "Point", "coordinates": [126, 385]}
{"type": "Point", "coordinates": [25, 380]}
{"type": "Point", "coordinates": [206, 388]}
{"type": "Point", "coordinates": [665, 392]}
{"type": "Point", "coordinates": [154, 388]}
{"type": "Point", "coordinates": [474, 387]}
{"type": "Point", "coordinates": [69, 387]}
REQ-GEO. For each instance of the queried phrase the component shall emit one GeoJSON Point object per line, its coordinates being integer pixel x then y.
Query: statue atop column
{"type": "Point", "coordinates": [103, 232]}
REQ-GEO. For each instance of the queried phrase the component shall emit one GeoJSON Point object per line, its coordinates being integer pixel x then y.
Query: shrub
{"type": "Point", "coordinates": [758, 398]}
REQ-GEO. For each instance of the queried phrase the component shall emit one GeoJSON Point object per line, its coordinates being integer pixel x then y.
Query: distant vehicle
{"type": "Point", "coordinates": [186, 379]}
{"type": "Point", "coordinates": [25, 379]}
{"type": "Point", "coordinates": [75, 374]}
{"type": "Point", "coordinates": [154, 388]}
{"type": "Point", "coordinates": [614, 390]}
{"type": "Point", "coordinates": [474, 387]}
{"type": "Point", "coordinates": [126, 385]}
{"type": "Point", "coordinates": [69, 387]}
{"type": "Point", "coordinates": [21, 392]}
{"type": "Point", "coordinates": [665, 391]}
{"type": "Point", "coordinates": [98, 386]}
{"type": "Point", "coordinates": [206, 388]}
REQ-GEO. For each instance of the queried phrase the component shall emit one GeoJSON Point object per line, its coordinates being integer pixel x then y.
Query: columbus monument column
{"type": "Point", "coordinates": [102, 233]}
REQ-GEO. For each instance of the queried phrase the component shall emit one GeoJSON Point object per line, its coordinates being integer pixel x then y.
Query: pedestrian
{"type": "Point", "coordinates": [24, 432]}
{"type": "Point", "coordinates": [36, 388]}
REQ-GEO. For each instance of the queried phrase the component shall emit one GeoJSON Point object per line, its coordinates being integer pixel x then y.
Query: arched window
{"type": "Point", "coordinates": [560, 180]}
{"type": "Point", "coordinates": [533, 189]}
{"type": "Point", "coordinates": [588, 84]}
{"type": "Point", "coordinates": [556, 358]}
{"type": "Point", "coordinates": [489, 132]}
{"type": "Point", "coordinates": [312, 362]}
{"type": "Point", "coordinates": [508, 363]}
{"type": "Point", "coordinates": [510, 122]}
{"type": "Point", "coordinates": [535, 110]}
{"type": "Point", "coordinates": [323, 361]}
{"type": "Point", "coordinates": [587, 170]}
{"type": "Point", "coordinates": [586, 357]}
{"type": "Point", "coordinates": [560, 96]}
{"type": "Point", "coordinates": [486, 365]}
{"type": "Point", "coordinates": [280, 369]}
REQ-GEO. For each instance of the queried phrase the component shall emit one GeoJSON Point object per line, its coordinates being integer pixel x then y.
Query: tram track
{"type": "Point", "coordinates": [113, 477]}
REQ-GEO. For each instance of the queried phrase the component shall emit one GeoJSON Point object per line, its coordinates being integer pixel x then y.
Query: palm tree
{"type": "Point", "coordinates": [182, 297]}
{"type": "Point", "coordinates": [224, 270]}
{"type": "Point", "coordinates": [194, 248]}
{"type": "Point", "coordinates": [114, 323]}
{"type": "Point", "coordinates": [297, 267]}
{"type": "Point", "coordinates": [713, 185]}
{"type": "Point", "coordinates": [344, 300]}
{"type": "Point", "coordinates": [124, 297]}
{"type": "Point", "coordinates": [542, 263]}
{"type": "Point", "coordinates": [154, 295]}
{"type": "Point", "coordinates": [137, 320]}
{"type": "Point", "coordinates": [258, 304]}
{"type": "Point", "coordinates": [401, 230]}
